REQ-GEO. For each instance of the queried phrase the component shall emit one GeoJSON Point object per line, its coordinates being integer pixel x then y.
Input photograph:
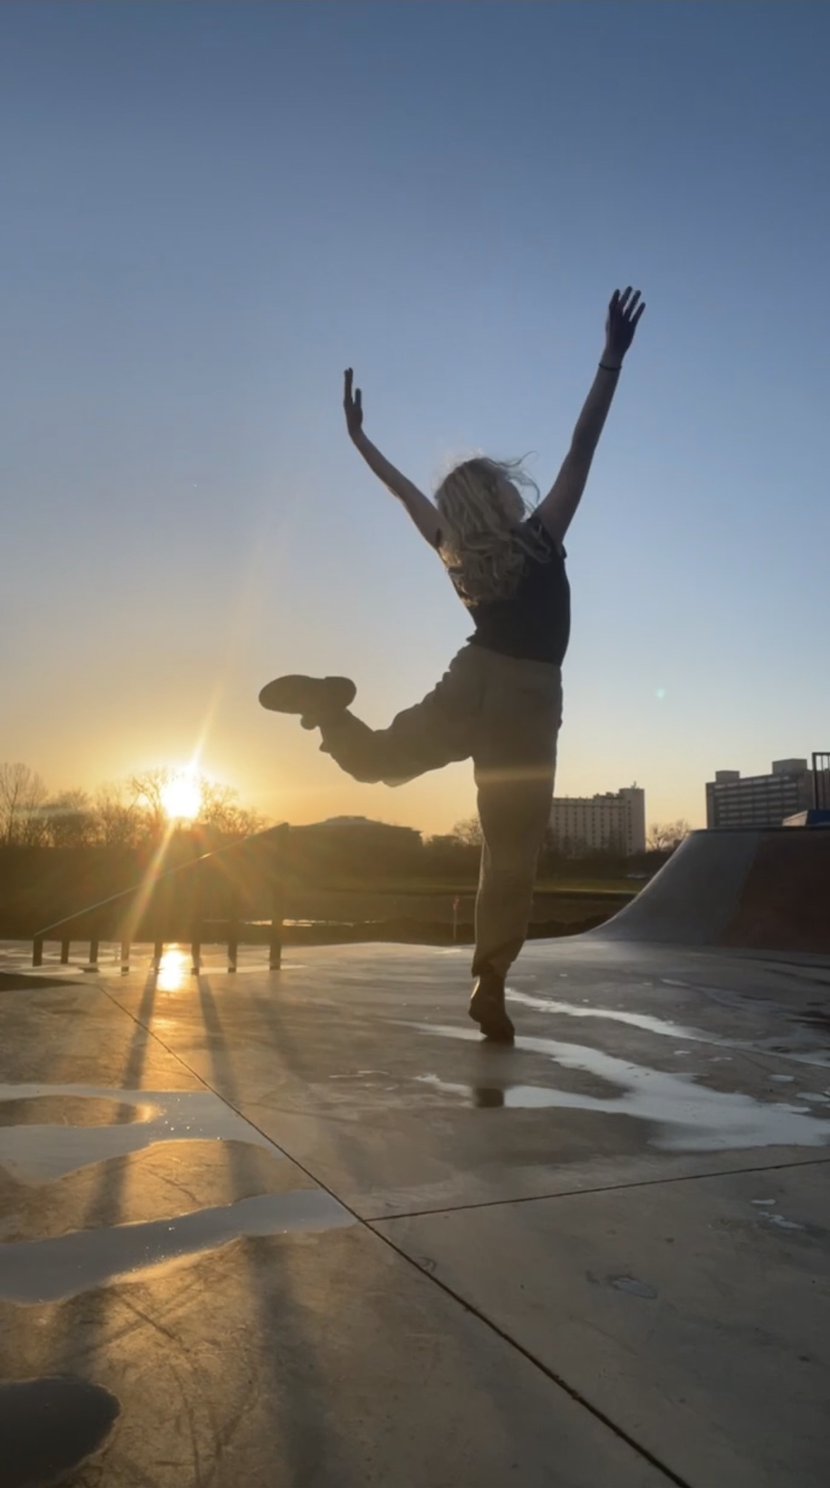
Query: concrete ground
{"type": "Point", "coordinates": [311, 1231]}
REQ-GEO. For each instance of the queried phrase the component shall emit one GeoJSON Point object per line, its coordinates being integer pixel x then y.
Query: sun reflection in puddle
{"type": "Point", "coordinates": [173, 969]}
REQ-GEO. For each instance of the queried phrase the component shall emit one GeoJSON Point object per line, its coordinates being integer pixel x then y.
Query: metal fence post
{"type": "Point", "coordinates": [277, 917]}
{"type": "Point", "coordinates": [233, 932]}
{"type": "Point", "coordinates": [277, 902]}
{"type": "Point", "coordinates": [197, 930]}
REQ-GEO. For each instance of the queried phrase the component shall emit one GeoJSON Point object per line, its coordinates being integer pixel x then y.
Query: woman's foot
{"type": "Point", "coordinates": [488, 1011]}
{"type": "Point", "coordinates": [316, 699]}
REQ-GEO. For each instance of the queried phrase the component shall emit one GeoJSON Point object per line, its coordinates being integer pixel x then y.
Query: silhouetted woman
{"type": "Point", "coordinates": [500, 702]}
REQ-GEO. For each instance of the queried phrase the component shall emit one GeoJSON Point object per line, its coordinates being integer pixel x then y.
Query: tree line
{"type": "Point", "coordinates": [662, 837]}
{"type": "Point", "coordinates": [128, 813]}
{"type": "Point", "coordinates": [131, 814]}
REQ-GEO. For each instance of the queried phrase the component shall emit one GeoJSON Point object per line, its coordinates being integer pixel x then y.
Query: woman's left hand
{"type": "Point", "coordinates": [352, 406]}
{"type": "Point", "coordinates": [624, 313]}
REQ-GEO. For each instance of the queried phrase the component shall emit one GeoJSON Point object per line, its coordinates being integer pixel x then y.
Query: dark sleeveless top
{"type": "Point", "coordinates": [534, 623]}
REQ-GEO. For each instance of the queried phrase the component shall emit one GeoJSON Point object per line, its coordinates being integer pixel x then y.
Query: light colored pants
{"type": "Point", "coordinates": [505, 715]}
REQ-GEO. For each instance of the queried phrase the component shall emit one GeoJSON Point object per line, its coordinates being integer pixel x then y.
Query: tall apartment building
{"type": "Point", "coordinates": [613, 821]}
{"type": "Point", "coordinates": [759, 800]}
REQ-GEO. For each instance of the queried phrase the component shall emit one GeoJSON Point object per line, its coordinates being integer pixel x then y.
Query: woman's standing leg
{"type": "Point", "coordinates": [515, 762]}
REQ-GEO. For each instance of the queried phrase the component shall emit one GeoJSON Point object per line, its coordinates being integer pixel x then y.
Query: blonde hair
{"type": "Point", "coordinates": [482, 543]}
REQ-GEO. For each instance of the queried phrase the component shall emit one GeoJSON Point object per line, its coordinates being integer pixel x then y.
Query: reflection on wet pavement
{"type": "Point", "coordinates": [173, 970]}
{"type": "Point", "coordinates": [689, 1117]}
{"type": "Point", "coordinates": [665, 1027]}
{"type": "Point", "coordinates": [50, 1270]}
{"type": "Point", "coordinates": [645, 1021]}
{"type": "Point", "coordinates": [35, 1153]}
{"type": "Point", "coordinates": [68, 1110]}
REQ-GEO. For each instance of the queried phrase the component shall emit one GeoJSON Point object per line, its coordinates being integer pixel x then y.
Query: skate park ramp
{"type": "Point", "coordinates": [766, 890]}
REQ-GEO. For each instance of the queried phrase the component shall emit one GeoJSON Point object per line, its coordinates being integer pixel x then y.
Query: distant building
{"type": "Point", "coordinates": [759, 800]}
{"type": "Point", "coordinates": [613, 822]}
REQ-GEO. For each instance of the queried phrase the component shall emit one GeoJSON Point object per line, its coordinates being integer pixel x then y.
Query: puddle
{"type": "Point", "coordinates": [50, 1270]}
{"type": "Point", "coordinates": [634, 1287]}
{"type": "Point", "coordinates": [80, 1417]}
{"type": "Point", "coordinates": [486, 1097]}
{"type": "Point", "coordinates": [780, 1222]}
{"type": "Point", "coordinates": [68, 1110]}
{"type": "Point", "coordinates": [664, 1027]}
{"type": "Point", "coordinates": [493, 1096]}
{"type": "Point", "coordinates": [649, 1024]}
{"type": "Point", "coordinates": [361, 1074]}
{"type": "Point", "coordinates": [689, 1117]}
{"type": "Point", "coordinates": [39, 1152]}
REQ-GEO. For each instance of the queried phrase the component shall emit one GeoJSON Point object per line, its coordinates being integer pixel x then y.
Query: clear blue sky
{"type": "Point", "coordinates": [212, 209]}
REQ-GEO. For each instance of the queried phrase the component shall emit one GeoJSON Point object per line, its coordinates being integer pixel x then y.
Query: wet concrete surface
{"type": "Point", "coordinates": [692, 1313]}
{"type": "Point", "coordinates": [311, 1230]}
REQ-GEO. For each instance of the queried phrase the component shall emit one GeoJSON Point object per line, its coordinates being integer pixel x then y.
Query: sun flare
{"type": "Point", "coordinates": [181, 796]}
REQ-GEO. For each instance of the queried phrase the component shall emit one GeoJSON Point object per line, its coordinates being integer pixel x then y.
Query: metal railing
{"type": "Point", "coordinates": [821, 780]}
{"type": "Point", "coordinates": [205, 893]}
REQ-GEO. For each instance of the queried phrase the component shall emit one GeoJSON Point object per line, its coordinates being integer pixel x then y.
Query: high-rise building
{"type": "Point", "coordinates": [759, 800]}
{"type": "Point", "coordinates": [615, 821]}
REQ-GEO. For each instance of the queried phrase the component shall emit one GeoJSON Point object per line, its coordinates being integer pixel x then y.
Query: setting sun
{"type": "Point", "coordinates": [181, 796]}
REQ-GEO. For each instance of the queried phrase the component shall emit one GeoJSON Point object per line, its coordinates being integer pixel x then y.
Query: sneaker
{"type": "Point", "coordinates": [314, 698]}
{"type": "Point", "coordinates": [488, 1011]}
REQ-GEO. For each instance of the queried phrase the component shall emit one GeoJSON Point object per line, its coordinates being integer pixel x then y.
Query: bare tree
{"type": "Point", "coordinates": [121, 814]}
{"type": "Point", "coordinates": [666, 836]}
{"type": "Point", "coordinates": [561, 843]}
{"type": "Point", "coordinates": [69, 819]}
{"type": "Point", "coordinates": [468, 832]}
{"type": "Point", "coordinates": [22, 794]}
{"type": "Point", "coordinates": [147, 790]}
{"type": "Point", "coordinates": [221, 812]}
{"type": "Point", "coordinates": [119, 820]}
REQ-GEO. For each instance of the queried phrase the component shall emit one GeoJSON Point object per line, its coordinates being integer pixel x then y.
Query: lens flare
{"type": "Point", "coordinates": [181, 796]}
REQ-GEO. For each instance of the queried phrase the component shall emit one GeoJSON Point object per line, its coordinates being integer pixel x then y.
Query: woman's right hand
{"type": "Point", "coordinates": [352, 406]}
{"type": "Point", "coordinates": [623, 316]}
